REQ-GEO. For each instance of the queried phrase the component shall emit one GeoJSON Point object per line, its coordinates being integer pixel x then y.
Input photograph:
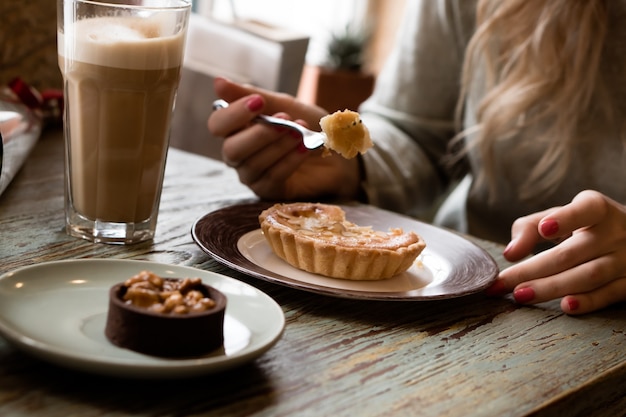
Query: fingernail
{"type": "Point", "coordinates": [254, 103]}
{"type": "Point", "coordinates": [573, 304]}
{"type": "Point", "coordinates": [549, 227]}
{"type": "Point", "coordinates": [220, 80]}
{"type": "Point", "coordinates": [524, 295]}
{"type": "Point", "coordinates": [496, 289]}
{"type": "Point", "coordinates": [508, 247]}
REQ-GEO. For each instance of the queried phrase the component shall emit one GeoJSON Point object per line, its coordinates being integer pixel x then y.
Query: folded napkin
{"type": "Point", "coordinates": [23, 112]}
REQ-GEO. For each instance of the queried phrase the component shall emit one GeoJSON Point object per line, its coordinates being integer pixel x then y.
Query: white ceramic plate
{"type": "Point", "coordinates": [57, 312]}
{"type": "Point", "coordinates": [426, 274]}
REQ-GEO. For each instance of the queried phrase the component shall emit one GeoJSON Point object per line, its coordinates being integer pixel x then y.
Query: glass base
{"type": "Point", "coordinates": [109, 232]}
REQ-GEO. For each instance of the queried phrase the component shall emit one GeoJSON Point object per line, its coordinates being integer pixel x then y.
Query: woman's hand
{"type": "Point", "coordinates": [587, 266]}
{"type": "Point", "coordinates": [271, 161]}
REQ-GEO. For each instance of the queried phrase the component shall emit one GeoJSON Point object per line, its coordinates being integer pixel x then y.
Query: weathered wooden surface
{"type": "Point", "coordinates": [471, 356]}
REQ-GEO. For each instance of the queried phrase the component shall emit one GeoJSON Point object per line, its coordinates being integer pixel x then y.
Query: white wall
{"type": "Point", "coordinates": [315, 18]}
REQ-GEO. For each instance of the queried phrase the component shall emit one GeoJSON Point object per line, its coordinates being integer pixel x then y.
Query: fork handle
{"type": "Point", "coordinates": [270, 120]}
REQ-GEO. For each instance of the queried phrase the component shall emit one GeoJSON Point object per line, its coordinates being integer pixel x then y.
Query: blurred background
{"type": "Point", "coordinates": [327, 52]}
{"type": "Point", "coordinates": [319, 19]}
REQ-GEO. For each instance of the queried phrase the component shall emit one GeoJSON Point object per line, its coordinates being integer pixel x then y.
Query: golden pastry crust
{"type": "Point", "coordinates": [317, 238]}
{"type": "Point", "coordinates": [345, 133]}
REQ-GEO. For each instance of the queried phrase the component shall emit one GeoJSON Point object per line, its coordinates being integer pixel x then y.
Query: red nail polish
{"type": "Point", "coordinates": [301, 148]}
{"type": "Point", "coordinates": [549, 227]}
{"type": "Point", "coordinates": [508, 248]}
{"type": "Point", "coordinates": [524, 295]}
{"type": "Point", "coordinates": [254, 103]}
{"type": "Point", "coordinates": [573, 304]}
{"type": "Point", "coordinates": [496, 289]}
{"type": "Point", "coordinates": [295, 134]}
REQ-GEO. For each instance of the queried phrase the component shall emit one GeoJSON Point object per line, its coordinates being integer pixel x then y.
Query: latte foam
{"type": "Point", "coordinates": [123, 42]}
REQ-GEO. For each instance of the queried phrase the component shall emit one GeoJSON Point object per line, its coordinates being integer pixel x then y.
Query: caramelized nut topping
{"type": "Point", "coordinates": [167, 296]}
{"type": "Point", "coordinates": [332, 226]}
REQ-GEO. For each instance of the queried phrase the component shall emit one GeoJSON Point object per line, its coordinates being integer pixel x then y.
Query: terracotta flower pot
{"type": "Point", "coordinates": [335, 89]}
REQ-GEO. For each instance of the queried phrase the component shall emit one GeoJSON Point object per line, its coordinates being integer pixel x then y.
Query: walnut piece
{"type": "Point", "coordinates": [166, 295]}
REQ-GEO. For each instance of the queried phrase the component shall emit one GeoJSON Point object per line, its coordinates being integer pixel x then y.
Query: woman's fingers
{"type": "Point", "coordinates": [524, 236]}
{"type": "Point", "coordinates": [589, 260]}
{"type": "Point", "coordinates": [581, 278]}
{"type": "Point", "coordinates": [612, 293]}
{"type": "Point", "coordinates": [239, 114]}
{"type": "Point", "coordinates": [231, 91]}
{"type": "Point", "coordinates": [270, 158]}
{"type": "Point", "coordinates": [560, 258]}
{"type": "Point", "coordinates": [590, 226]}
{"type": "Point", "coordinates": [275, 102]}
{"type": "Point", "coordinates": [587, 209]}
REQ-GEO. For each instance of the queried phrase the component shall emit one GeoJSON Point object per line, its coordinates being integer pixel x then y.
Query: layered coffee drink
{"type": "Point", "coordinates": [121, 75]}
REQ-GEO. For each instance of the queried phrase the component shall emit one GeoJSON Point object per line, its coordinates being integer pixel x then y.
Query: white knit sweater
{"type": "Point", "coordinates": [411, 119]}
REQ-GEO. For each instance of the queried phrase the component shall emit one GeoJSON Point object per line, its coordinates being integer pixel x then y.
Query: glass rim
{"type": "Point", "coordinates": [127, 4]}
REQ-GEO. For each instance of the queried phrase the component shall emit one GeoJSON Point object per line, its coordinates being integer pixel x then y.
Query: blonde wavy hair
{"type": "Point", "coordinates": [541, 60]}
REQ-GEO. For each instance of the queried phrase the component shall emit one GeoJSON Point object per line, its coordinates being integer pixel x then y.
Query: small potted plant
{"type": "Point", "coordinates": [342, 81]}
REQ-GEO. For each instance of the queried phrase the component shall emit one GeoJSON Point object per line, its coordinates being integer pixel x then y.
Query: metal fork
{"type": "Point", "coordinates": [310, 138]}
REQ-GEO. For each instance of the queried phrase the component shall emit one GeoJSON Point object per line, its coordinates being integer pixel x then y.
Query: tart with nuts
{"type": "Point", "coordinates": [317, 238]}
{"type": "Point", "coordinates": [345, 133]}
{"type": "Point", "coordinates": [169, 317]}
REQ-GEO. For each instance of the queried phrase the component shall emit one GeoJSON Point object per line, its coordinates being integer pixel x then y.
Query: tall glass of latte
{"type": "Point", "coordinates": [120, 61]}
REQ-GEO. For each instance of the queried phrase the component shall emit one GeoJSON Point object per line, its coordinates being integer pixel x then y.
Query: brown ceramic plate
{"type": "Point", "coordinates": [450, 266]}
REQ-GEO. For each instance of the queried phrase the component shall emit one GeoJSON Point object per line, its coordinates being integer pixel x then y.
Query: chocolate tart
{"type": "Point", "coordinates": [165, 334]}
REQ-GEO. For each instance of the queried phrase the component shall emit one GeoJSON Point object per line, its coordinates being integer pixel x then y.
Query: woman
{"type": "Point", "coordinates": [540, 156]}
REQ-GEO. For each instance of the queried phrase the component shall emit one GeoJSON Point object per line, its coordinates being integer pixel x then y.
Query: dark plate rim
{"type": "Point", "coordinates": [218, 232]}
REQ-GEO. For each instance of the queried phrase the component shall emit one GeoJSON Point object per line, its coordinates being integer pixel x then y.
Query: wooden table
{"type": "Point", "coordinates": [469, 356]}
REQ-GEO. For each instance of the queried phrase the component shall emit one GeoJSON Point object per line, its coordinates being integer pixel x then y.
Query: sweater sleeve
{"type": "Point", "coordinates": [411, 112]}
